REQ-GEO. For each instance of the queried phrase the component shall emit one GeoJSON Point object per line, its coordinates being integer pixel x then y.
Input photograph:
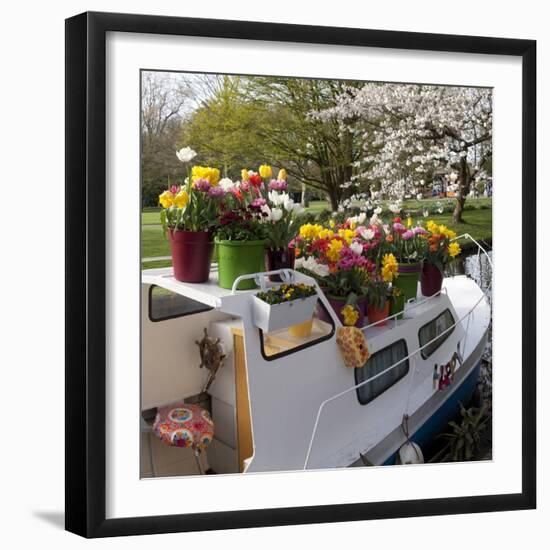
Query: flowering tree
{"type": "Point", "coordinates": [417, 130]}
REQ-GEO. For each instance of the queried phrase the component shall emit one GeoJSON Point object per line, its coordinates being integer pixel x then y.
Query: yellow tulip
{"type": "Point", "coordinates": [265, 171]}
{"type": "Point", "coordinates": [181, 199]}
{"type": "Point", "coordinates": [245, 176]}
{"type": "Point", "coordinates": [282, 174]}
{"type": "Point", "coordinates": [166, 199]}
{"type": "Point", "coordinates": [214, 176]}
{"type": "Point", "coordinates": [409, 222]}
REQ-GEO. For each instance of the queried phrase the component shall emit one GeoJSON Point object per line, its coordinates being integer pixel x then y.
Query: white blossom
{"type": "Point", "coordinates": [312, 265]}
{"type": "Point", "coordinates": [186, 154]}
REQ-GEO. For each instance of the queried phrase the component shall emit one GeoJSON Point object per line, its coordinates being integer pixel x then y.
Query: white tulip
{"type": "Point", "coordinates": [186, 154]}
{"type": "Point", "coordinates": [276, 214]}
{"type": "Point", "coordinates": [226, 184]}
{"type": "Point", "coordinates": [378, 210]}
{"type": "Point", "coordinates": [367, 234]}
{"type": "Point", "coordinates": [356, 247]}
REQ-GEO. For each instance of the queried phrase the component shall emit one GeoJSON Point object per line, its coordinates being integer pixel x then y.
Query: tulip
{"type": "Point", "coordinates": [245, 176]}
{"type": "Point", "coordinates": [265, 171]}
{"type": "Point", "coordinates": [281, 176]}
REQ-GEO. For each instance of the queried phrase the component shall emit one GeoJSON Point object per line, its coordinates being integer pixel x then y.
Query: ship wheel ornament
{"type": "Point", "coordinates": [212, 355]}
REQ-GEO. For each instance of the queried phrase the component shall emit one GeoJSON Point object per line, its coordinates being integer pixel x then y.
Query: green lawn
{"type": "Point", "coordinates": [477, 222]}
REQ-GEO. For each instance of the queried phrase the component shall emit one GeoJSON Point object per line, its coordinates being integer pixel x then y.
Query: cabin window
{"type": "Point", "coordinates": [433, 330]}
{"type": "Point", "coordinates": [164, 304]}
{"type": "Point", "coordinates": [291, 340]}
{"type": "Point", "coordinates": [377, 363]}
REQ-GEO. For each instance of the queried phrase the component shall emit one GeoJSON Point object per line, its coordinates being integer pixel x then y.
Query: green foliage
{"type": "Point", "coordinates": [286, 293]}
{"type": "Point", "coordinates": [465, 438]}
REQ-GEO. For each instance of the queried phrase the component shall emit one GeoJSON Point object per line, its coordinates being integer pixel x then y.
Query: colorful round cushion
{"type": "Point", "coordinates": [184, 425]}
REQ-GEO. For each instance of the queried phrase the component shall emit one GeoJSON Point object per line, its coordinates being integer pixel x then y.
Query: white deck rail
{"type": "Point", "coordinates": [410, 356]}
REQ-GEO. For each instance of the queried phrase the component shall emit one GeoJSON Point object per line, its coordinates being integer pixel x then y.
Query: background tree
{"type": "Point", "coordinates": [164, 97]}
{"type": "Point", "coordinates": [417, 130]}
{"type": "Point", "coordinates": [248, 121]}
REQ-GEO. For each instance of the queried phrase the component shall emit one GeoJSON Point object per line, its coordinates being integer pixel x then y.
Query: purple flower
{"type": "Point", "coordinates": [277, 185]}
{"type": "Point", "coordinates": [216, 192]}
{"type": "Point", "coordinates": [201, 184]}
{"type": "Point", "coordinates": [258, 203]}
{"type": "Point", "coordinates": [420, 231]}
{"type": "Point", "coordinates": [408, 235]}
{"type": "Point", "coordinates": [399, 228]}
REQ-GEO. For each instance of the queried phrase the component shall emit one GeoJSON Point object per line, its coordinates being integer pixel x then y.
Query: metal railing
{"type": "Point", "coordinates": [408, 357]}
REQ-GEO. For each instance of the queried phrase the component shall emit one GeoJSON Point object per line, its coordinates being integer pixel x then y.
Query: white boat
{"type": "Point", "coordinates": [281, 402]}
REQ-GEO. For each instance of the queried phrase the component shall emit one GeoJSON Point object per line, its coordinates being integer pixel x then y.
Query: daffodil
{"type": "Point", "coordinates": [389, 268]}
{"type": "Point", "coordinates": [166, 199]}
{"type": "Point", "coordinates": [432, 227]}
{"type": "Point", "coordinates": [333, 252]}
{"type": "Point", "coordinates": [310, 231]}
{"type": "Point", "coordinates": [346, 234]}
{"type": "Point", "coordinates": [326, 234]}
{"type": "Point", "coordinates": [181, 199]}
{"type": "Point", "coordinates": [454, 250]}
{"type": "Point", "coordinates": [350, 315]}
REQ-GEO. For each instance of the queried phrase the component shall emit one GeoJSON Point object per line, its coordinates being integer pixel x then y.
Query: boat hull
{"type": "Point", "coordinates": [426, 435]}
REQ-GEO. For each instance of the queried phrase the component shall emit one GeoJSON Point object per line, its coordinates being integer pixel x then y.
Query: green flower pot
{"type": "Point", "coordinates": [407, 280]}
{"type": "Point", "coordinates": [397, 306]}
{"type": "Point", "coordinates": [236, 258]}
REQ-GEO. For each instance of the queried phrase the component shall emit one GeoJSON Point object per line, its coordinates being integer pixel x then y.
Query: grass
{"type": "Point", "coordinates": [150, 215]}
{"type": "Point", "coordinates": [478, 223]}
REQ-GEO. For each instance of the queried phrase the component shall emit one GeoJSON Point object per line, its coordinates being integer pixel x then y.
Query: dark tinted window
{"type": "Point", "coordinates": [164, 304]}
{"type": "Point", "coordinates": [378, 362]}
{"type": "Point", "coordinates": [432, 330]}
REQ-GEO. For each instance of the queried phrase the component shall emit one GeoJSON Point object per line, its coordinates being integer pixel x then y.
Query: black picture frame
{"type": "Point", "coordinates": [86, 279]}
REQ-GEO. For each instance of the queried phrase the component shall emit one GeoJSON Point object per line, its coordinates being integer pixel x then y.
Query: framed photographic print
{"type": "Point", "coordinates": [289, 274]}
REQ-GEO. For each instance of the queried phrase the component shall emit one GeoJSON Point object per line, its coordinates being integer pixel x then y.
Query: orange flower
{"type": "Point", "coordinates": [433, 248]}
{"type": "Point", "coordinates": [297, 252]}
{"type": "Point", "coordinates": [389, 238]}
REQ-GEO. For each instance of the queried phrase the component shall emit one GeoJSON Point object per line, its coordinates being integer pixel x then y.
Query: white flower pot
{"type": "Point", "coordinates": [279, 316]}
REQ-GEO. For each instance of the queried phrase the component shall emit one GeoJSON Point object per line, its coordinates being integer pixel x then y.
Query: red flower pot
{"type": "Point", "coordinates": [431, 279]}
{"type": "Point", "coordinates": [279, 258]}
{"type": "Point", "coordinates": [374, 314]}
{"type": "Point", "coordinates": [191, 255]}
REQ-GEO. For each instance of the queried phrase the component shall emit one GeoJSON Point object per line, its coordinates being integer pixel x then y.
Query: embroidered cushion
{"type": "Point", "coordinates": [184, 425]}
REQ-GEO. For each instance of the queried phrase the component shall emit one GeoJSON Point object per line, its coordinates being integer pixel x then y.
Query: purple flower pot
{"type": "Point", "coordinates": [431, 280]}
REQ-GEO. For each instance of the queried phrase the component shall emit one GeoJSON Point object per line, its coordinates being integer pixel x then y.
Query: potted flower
{"type": "Point", "coordinates": [283, 306]}
{"type": "Point", "coordinates": [280, 218]}
{"type": "Point", "coordinates": [407, 244]}
{"type": "Point", "coordinates": [378, 297]}
{"type": "Point", "coordinates": [241, 232]}
{"type": "Point", "coordinates": [347, 269]}
{"type": "Point", "coordinates": [439, 253]}
{"type": "Point", "coordinates": [189, 215]}
{"type": "Point", "coordinates": [397, 302]}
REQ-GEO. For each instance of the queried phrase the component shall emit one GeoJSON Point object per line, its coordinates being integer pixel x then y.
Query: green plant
{"type": "Point", "coordinates": [286, 293]}
{"type": "Point", "coordinates": [378, 292]}
{"type": "Point", "coordinates": [465, 438]}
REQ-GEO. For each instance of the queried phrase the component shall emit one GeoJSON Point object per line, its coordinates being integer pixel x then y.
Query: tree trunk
{"type": "Point", "coordinates": [305, 199]}
{"type": "Point", "coordinates": [463, 190]}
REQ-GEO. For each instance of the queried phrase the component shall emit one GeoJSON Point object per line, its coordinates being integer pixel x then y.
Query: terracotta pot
{"type": "Point", "coordinates": [191, 255]}
{"type": "Point", "coordinates": [375, 314]}
{"type": "Point", "coordinates": [431, 280]}
{"type": "Point", "coordinates": [279, 258]}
